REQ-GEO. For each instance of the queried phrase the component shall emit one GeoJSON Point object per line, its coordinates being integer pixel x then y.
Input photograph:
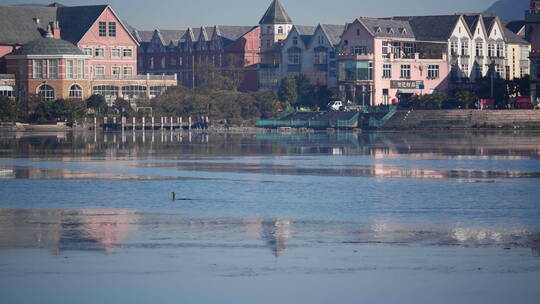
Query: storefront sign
{"type": "Point", "coordinates": [406, 84]}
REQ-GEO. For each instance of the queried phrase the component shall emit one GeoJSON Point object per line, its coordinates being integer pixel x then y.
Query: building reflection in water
{"type": "Point", "coordinates": [277, 234]}
{"type": "Point", "coordinates": [60, 230]}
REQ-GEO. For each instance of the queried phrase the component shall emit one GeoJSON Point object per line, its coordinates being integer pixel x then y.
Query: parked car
{"type": "Point", "coordinates": [335, 105]}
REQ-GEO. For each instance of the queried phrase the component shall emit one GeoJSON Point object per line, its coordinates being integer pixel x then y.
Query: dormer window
{"type": "Point", "coordinates": [378, 30]}
{"type": "Point", "coordinates": [280, 30]}
{"type": "Point", "coordinates": [403, 31]}
{"type": "Point", "coordinates": [357, 32]}
{"type": "Point", "coordinates": [390, 30]}
{"type": "Point", "coordinates": [295, 41]}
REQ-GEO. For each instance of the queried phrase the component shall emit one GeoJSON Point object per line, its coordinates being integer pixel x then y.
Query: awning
{"type": "Point", "coordinates": [6, 88]}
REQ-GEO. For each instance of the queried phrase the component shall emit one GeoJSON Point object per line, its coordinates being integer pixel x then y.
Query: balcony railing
{"type": "Point", "coordinates": [7, 76]}
{"type": "Point", "coordinates": [349, 56]}
{"type": "Point", "coordinates": [134, 77]}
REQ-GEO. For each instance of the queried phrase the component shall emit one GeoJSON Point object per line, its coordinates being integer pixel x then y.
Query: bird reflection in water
{"type": "Point", "coordinates": [277, 234]}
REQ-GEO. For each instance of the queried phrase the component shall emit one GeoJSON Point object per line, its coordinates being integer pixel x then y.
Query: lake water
{"type": "Point", "coordinates": [439, 217]}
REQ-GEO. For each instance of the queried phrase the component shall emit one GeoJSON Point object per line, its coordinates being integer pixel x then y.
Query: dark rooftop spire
{"type": "Point", "coordinates": [276, 14]}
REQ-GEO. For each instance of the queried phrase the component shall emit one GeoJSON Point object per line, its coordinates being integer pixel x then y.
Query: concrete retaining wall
{"type": "Point", "coordinates": [464, 119]}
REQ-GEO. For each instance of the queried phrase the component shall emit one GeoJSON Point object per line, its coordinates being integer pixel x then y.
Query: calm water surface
{"type": "Point", "coordinates": [314, 218]}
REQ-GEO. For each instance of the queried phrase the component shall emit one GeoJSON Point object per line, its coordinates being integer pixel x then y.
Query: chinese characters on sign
{"type": "Point", "coordinates": [406, 84]}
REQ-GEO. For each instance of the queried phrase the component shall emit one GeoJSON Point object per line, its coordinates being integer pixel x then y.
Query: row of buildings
{"type": "Point", "coordinates": [371, 61]}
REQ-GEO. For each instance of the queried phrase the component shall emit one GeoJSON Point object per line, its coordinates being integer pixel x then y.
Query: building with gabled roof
{"type": "Point", "coordinates": [179, 51]}
{"type": "Point", "coordinates": [36, 44]}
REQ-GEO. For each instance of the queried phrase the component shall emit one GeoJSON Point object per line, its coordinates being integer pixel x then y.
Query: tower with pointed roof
{"type": "Point", "coordinates": [275, 25]}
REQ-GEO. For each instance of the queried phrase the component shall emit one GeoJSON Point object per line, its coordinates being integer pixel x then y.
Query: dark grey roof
{"type": "Point", "coordinates": [276, 14]}
{"type": "Point", "coordinates": [515, 26]}
{"type": "Point", "coordinates": [48, 46]}
{"type": "Point", "coordinates": [18, 23]}
{"type": "Point", "coordinates": [511, 37]}
{"type": "Point", "coordinates": [382, 27]}
{"type": "Point", "coordinates": [76, 21]}
{"type": "Point", "coordinates": [333, 32]}
{"type": "Point", "coordinates": [305, 32]}
{"type": "Point", "coordinates": [472, 21]}
{"type": "Point", "coordinates": [431, 28]}
{"type": "Point", "coordinates": [227, 32]}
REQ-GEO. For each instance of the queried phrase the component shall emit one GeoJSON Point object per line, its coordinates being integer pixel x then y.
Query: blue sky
{"type": "Point", "coordinates": [178, 14]}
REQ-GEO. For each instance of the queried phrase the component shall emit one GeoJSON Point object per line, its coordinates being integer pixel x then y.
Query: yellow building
{"type": "Point", "coordinates": [518, 49]}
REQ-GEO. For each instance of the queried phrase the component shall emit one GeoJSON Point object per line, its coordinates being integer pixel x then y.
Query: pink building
{"type": "Point", "coordinates": [380, 62]}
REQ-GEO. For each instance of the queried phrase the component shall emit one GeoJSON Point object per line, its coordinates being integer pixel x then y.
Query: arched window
{"type": "Point", "coordinates": [75, 92]}
{"type": "Point", "coordinates": [46, 92]}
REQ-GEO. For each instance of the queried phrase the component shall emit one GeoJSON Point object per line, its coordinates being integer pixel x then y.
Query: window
{"type": "Point", "coordinates": [479, 48]}
{"type": "Point", "coordinates": [269, 30]}
{"type": "Point", "coordinates": [115, 72]}
{"type": "Point", "coordinates": [46, 92]}
{"type": "Point", "coordinates": [162, 62]}
{"type": "Point", "coordinates": [99, 52]}
{"type": "Point", "coordinates": [128, 52]}
{"type": "Point", "coordinates": [294, 58]}
{"type": "Point", "coordinates": [465, 70]}
{"type": "Point", "coordinates": [37, 69]}
{"type": "Point", "coordinates": [133, 92]}
{"type": "Point", "coordinates": [108, 91]}
{"type": "Point", "coordinates": [405, 71]}
{"type": "Point", "coordinates": [180, 61]}
{"type": "Point", "coordinates": [112, 29]}
{"type": "Point", "coordinates": [280, 30]}
{"type": "Point", "coordinates": [100, 71]}
{"type": "Point", "coordinates": [75, 92]}
{"type": "Point", "coordinates": [52, 67]}
{"type": "Point", "coordinates": [172, 62]}
{"type": "Point", "coordinates": [500, 50]}
{"type": "Point", "coordinates": [157, 90]}
{"type": "Point", "coordinates": [396, 49]}
{"type": "Point", "coordinates": [69, 69]}
{"type": "Point", "coordinates": [409, 50]}
{"type": "Point", "coordinates": [151, 64]}
{"type": "Point", "coordinates": [115, 53]}
{"type": "Point", "coordinates": [359, 49]}
{"type": "Point", "coordinates": [295, 41]}
{"type": "Point", "coordinates": [267, 43]}
{"type": "Point", "coordinates": [321, 57]}
{"type": "Point", "coordinates": [387, 71]}
{"type": "Point", "coordinates": [87, 51]}
{"type": "Point", "coordinates": [491, 50]}
{"type": "Point", "coordinates": [80, 69]}
{"type": "Point", "coordinates": [454, 48]}
{"type": "Point", "coordinates": [128, 71]}
{"type": "Point", "coordinates": [355, 70]}
{"type": "Point", "coordinates": [102, 29]}
{"type": "Point", "coordinates": [465, 47]}
{"type": "Point", "coordinates": [6, 91]}
{"type": "Point", "coordinates": [385, 50]}
{"type": "Point", "coordinates": [357, 32]}
{"type": "Point", "coordinates": [433, 71]}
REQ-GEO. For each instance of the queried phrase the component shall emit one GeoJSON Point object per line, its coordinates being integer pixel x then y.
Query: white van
{"type": "Point", "coordinates": [335, 105]}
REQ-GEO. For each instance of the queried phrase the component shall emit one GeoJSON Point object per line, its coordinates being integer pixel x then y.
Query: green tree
{"type": "Point", "coordinates": [9, 109]}
{"type": "Point", "coordinates": [288, 91]}
{"type": "Point", "coordinates": [123, 106]}
{"type": "Point", "coordinates": [465, 99]}
{"type": "Point", "coordinates": [44, 111]}
{"type": "Point", "coordinates": [97, 103]}
{"type": "Point", "coordinates": [304, 91]}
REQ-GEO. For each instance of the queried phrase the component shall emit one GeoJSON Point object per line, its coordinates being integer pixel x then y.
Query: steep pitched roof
{"type": "Point", "coordinates": [19, 25]}
{"type": "Point", "coordinates": [381, 27]}
{"type": "Point", "coordinates": [512, 38]}
{"type": "Point", "coordinates": [515, 26]}
{"type": "Point", "coordinates": [432, 28]}
{"type": "Point", "coordinates": [227, 33]}
{"type": "Point", "coordinates": [276, 14]}
{"type": "Point", "coordinates": [76, 21]}
{"type": "Point", "coordinates": [333, 32]}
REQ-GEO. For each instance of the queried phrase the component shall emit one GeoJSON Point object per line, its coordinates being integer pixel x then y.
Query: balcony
{"type": "Point", "coordinates": [135, 77]}
{"type": "Point", "coordinates": [7, 76]}
{"type": "Point", "coordinates": [356, 57]}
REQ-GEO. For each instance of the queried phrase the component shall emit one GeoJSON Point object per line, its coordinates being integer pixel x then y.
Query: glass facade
{"type": "Point", "coordinates": [355, 70]}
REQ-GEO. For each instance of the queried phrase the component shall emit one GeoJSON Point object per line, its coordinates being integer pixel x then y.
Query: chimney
{"type": "Point", "coordinates": [36, 20]}
{"type": "Point", "coordinates": [49, 33]}
{"type": "Point", "coordinates": [55, 25]}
